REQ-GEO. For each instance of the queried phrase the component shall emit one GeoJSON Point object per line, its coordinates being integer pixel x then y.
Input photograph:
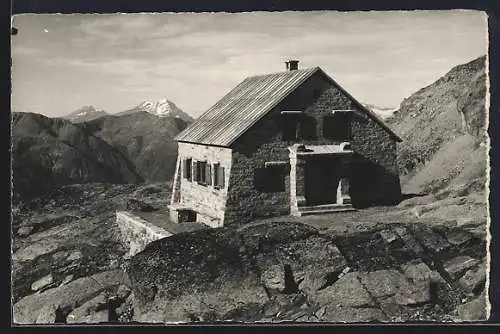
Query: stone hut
{"type": "Point", "coordinates": [293, 142]}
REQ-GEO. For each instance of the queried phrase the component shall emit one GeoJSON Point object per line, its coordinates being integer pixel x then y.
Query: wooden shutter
{"type": "Point", "coordinates": [195, 170]}
{"type": "Point", "coordinates": [220, 177]}
{"type": "Point", "coordinates": [187, 168]}
{"type": "Point", "coordinates": [216, 173]}
{"type": "Point", "coordinates": [208, 174]}
{"type": "Point", "coordinates": [184, 168]}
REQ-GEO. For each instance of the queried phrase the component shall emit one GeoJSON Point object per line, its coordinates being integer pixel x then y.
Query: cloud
{"type": "Point", "coordinates": [194, 58]}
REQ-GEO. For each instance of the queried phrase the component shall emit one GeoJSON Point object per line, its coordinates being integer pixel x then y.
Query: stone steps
{"type": "Point", "coordinates": [324, 209]}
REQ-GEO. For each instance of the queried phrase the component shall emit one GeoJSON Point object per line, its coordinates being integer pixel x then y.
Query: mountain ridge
{"type": "Point", "coordinates": [440, 125]}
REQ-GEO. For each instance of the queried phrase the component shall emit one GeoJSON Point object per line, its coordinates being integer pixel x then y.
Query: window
{"type": "Point", "coordinates": [218, 176]}
{"type": "Point", "coordinates": [307, 127]}
{"type": "Point", "coordinates": [187, 166]}
{"type": "Point", "coordinates": [337, 126]}
{"type": "Point", "coordinates": [200, 172]}
{"type": "Point", "coordinates": [290, 125]}
{"type": "Point", "coordinates": [270, 179]}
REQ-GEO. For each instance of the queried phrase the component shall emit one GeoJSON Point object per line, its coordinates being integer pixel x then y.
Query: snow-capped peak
{"type": "Point", "coordinates": [382, 112]}
{"type": "Point", "coordinates": [161, 108]}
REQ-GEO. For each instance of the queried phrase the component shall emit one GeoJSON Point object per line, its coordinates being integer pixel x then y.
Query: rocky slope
{"type": "Point", "coordinates": [290, 271]}
{"type": "Point", "coordinates": [85, 114]}
{"type": "Point", "coordinates": [146, 140]}
{"type": "Point", "coordinates": [66, 258]}
{"type": "Point", "coordinates": [48, 153]}
{"type": "Point", "coordinates": [443, 132]}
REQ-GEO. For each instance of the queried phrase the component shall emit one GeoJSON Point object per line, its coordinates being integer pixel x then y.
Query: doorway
{"type": "Point", "coordinates": [321, 180]}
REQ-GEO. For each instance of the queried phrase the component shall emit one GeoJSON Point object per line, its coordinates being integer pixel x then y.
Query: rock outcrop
{"type": "Point", "coordinates": [284, 271]}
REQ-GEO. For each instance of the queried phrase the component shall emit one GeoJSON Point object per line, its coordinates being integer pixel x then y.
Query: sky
{"type": "Point", "coordinates": [114, 62]}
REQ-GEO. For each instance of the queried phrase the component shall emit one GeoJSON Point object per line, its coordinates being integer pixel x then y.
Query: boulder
{"type": "Point", "coordinates": [347, 291]}
{"type": "Point", "coordinates": [389, 236]}
{"type": "Point", "coordinates": [390, 286]}
{"type": "Point", "coordinates": [457, 266]}
{"type": "Point", "coordinates": [67, 279]}
{"type": "Point", "coordinates": [46, 315]}
{"type": "Point", "coordinates": [75, 256]}
{"type": "Point", "coordinates": [410, 242]}
{"type": "Point", "coordinates": [273, 277]}
{"type": "Point", "coordinates": [42, 283]}
{"type": "Point", "coordinates": [431, 240]}
{"type": "Point", "coordinates": [24, 231]}
{"type": "Point", "coordinates": [90, 311]}
{"type": "Point", "coordinates": [474, 278]}
{"type": "Point", "coordinates": [92, 318]}
{"type": "Point", "coordinates": [474, 310]}
{"type": "Point", "coordinates": [416, 270]}
{"type": "Point", "coordinates": [66, 297]}
{"type": "Point", "coordinates": [458, 237]}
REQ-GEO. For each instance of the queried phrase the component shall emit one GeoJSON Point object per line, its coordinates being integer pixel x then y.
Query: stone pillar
{"type": "Point", "coordinates": [343, 196]}
{"type": "Point", "coordinates": [297, 183]}
{"type": "Point", "coordinates": [176, 189]}
{"type": "Point", "coordinates": [300, 181]}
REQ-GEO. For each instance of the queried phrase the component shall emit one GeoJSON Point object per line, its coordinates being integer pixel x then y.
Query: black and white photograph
{"type": "Point", "coordinates": [277, 167]}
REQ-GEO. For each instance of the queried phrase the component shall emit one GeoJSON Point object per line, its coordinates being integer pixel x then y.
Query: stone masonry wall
{"type": "Point", "coordinates": [136, 233]}
{"type": "Point", "coordinates": [374, 171]}
{"type": "Point", "coordinates": [208, 202]}
{"type": "Point", "coordinates": [263, 142]}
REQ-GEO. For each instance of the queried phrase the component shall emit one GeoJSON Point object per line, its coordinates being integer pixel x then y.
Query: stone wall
{"type": "Point", "coordinates": [317, 97]}
{"type": "Point", "coordinates": [208, 202]}
{"type": "Point", "coordinates": [374, 171]}
{"type": "Point", "coordinates": [136, 233]}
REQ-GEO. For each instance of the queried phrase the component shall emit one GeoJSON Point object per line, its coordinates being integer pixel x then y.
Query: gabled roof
{"type": "Point", "coordinates": [247, 103]}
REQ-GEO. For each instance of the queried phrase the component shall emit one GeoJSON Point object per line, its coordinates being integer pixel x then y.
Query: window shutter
{"type": "Point", "coordinates": [216, 177]}
{"type": "Point", "coordinates": [184, 168]}
{"type": "Point", "coordinates": [208, 174]}
{"type": "Point", "coordinates": [220, 176]}
{"type": "Point", "coordinates": [195, 170]}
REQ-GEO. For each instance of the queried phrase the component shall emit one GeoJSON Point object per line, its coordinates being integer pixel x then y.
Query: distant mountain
{"type": "Point", "coordinates": [382, 112]}
{"type": "Point", "coordinates": [50, 152]}
{"type": "Point", "coordinates": [85, 114]}
{"type": "Point", "coordinates": [145, 139]}
{"type": "Point", "coordinates": [160, 108]}
{"type": "Point", "coordinates": [443, 127]}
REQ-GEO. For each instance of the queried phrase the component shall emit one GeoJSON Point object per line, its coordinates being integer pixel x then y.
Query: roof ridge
{"type": "Point", "coordinates": [283, 72]}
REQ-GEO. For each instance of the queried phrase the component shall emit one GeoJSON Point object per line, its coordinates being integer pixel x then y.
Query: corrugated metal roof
{"type": "Point", "coordinates": [248, 102]}
{"type": "Point", "coordinates": [237, 111]}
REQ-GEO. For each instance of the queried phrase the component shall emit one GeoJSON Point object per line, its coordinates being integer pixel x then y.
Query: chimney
{"type": "Point", "coordinates": [292, 65]}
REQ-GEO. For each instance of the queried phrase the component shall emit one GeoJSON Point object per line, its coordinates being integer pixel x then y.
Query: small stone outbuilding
{"type": "Point", "coordinates": [285, 143]}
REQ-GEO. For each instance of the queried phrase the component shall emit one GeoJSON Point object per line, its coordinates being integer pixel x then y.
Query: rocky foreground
{"type": "Point", "coordinates": [422, 260]}
{"type": "Point", "coordinates": [274, 272]}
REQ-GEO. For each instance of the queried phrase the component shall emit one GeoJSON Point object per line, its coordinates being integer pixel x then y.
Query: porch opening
{"type": "Point", "coordinates": [322, 176]}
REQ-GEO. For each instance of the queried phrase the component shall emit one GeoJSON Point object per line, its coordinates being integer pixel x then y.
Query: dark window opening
{"type": "Point", "coordinates": [337, 126]}
{"type": "Point", "coordinates": [186, 216]}
{"type": "Point", "coordinates": [200, 172]}
{"type": "Point", "coordinates": [270, 179]}
{"type": "Point", "coordinates": [218, 176]}
{"type": "Point", "coordinates": [316, 93]}
{"type": "Point", "coordinates": [307, 128]}
{"type": "Point", "coordinates": [187, 168]}
{"type": "Point", "coordinates": [290, 126]}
